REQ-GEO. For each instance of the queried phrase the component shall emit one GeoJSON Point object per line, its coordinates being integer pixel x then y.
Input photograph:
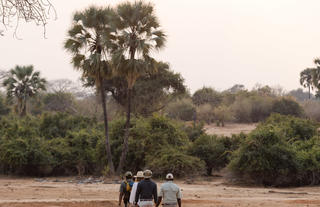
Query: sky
{"type": "Point", "coordinates": [213, 43]}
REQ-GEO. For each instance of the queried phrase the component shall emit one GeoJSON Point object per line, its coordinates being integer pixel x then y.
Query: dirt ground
{"type": "Point", "coordinates": [30, 192]}
{"type": "Point", "coordinates": [230, 128]}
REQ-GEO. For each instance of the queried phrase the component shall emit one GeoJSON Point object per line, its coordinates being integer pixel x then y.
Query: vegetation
{"type": "Point", "coordinates": [280, 152]}
{"type": "Point", "coordinates": [23, 83]}
{"type": "Point", "coordinates": [90, 43]}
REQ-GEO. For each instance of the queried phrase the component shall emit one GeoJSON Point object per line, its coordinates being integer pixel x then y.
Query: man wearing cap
{"type": "Point", "coordinates": [125, 189]}
{"type": "Point", "coordinates": [170, 193]}
{"type": "Point", "coordinates": [146, 191]}
{"type": "Point", "coordinates": [138, 178]}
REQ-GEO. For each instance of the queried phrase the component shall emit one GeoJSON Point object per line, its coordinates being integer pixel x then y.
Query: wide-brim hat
{"type": "Point", "coordinates": [139, 174]}
{"type": "Point", "coordinates": [147, 174]}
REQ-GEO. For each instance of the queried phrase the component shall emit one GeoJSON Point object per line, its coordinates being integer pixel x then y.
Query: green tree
{"type": "Point", "coordinates": [207, 95]}
{"type": "Point", "coordinates": [306, 79]}
{"type": "Point", "coordinates": [90, 42]}
{"type": "Point", "coordinates": [22, 83]}
{"type": "Point", "coordinates": [139, 34]}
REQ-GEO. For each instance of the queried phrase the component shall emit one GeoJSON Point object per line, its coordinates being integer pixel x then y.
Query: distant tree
{"type": "Point", "coordinates": [59, 102]}
{"type": "Point", "coordinates": [207, 95]}
{"type": "Point", "coordinates": [37, 11]}
{"type": "Point", "coordinates": [90, 42]}
{"type": "Point", "coordinates": [4, 109]}
{"type": "Point", "coordinates": [287, 106]}
{"type": "Point", "coordinates": [22, 83]}
{"type": "Point", "coordinates": [306, 79]}
{"type": "Point", "coordinates": [300, 95]}
{"type": "Point", "coordinates": [139, 34]}
{"type": "Point", "coordinates": [236, 88]}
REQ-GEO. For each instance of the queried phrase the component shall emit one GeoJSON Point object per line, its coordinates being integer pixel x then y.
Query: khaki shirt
{"type": "Point", "coordinates": [170, 192]}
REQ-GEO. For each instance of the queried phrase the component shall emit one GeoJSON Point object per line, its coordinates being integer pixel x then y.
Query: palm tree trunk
{"type": "Point", "coordinates": [106, 128]}
{"type": "Point", "coordinates": [309, 93]}
{"type": "Point", "coordinates": [126, 135]}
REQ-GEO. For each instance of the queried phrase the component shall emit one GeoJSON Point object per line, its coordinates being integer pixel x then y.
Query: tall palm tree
{"type": "Point", "coordinates": [138, 34]}
{"type": "Point", "coordinates": [23, 82]}
{"type": "Point", "coordinates": [90, 41]}
{"type": "Point", "coordinates": [306, 79]}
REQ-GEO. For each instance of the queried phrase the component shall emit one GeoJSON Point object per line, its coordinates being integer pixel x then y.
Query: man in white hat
{"type": "Point", "coordinates": [146, 191]}
{"type": "Point", "coordinates": [138, 178]}
{"type": "Point", "coordinates": [170, 193]}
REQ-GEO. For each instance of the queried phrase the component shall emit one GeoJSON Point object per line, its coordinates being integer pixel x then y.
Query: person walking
{"type": "Point", "coordinates": [125, 189]}
{"type": "Point", "coordinates": [138, 178]}
{"type": "Point", "coordinates": [146, 191]}
{"type": "Point", "coordinates": [170, 193]}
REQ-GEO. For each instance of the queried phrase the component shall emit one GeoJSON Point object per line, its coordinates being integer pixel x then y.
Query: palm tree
{"type": "Point", "coordinates": [138, 34]}
{"type": "Point", "coordinates": [306, 79]}
{"type": "Point", "coordinates": [90, 41]}
{"type": "Point", "coordinates": [23, 82]}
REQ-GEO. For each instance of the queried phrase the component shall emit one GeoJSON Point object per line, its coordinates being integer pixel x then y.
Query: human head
{"type": "Point", "coordinates": [147, 174]}
{"type": "Point", "coordinates": [169, 176]}
{"type": "Point", "coordinates": [128, 175]}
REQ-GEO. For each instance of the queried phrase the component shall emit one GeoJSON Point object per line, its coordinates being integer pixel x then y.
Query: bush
{"type": "Point", "coordinates": [281, 151]}
{"type": "Point", "coordinates": [181, 109]}
{"type": "Point", "coordinates": [312, 110]}
{"type": "Point", "coordinates": [170, 160]}
{"type": "Point", "coordinates": [292, 127]}
{"type": "Point", "coordinates": [212, 151]}
{"type": "Point", "coordinates": [205, 113]}
{"type": "Point", "coordinates": [266, 158]}
{"type": "Point", "coordinates": [287, 106]}
{"type": "Point", "coordinates": [207, 96]}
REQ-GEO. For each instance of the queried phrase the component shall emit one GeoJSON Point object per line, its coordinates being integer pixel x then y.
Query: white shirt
{"type": "Point", "coordinates": [133, 193]}
{"type": "Point", "coordinates": [170, 192]}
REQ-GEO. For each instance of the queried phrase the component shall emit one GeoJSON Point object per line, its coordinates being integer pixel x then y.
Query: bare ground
{"type": "Point", "coordinates": [28, 192]}
{"type": "Point", "coordinates": [230, 128]}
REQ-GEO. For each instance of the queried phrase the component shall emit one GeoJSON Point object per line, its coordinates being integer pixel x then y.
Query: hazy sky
{"type": "Point", "coordinates": [215, 43]}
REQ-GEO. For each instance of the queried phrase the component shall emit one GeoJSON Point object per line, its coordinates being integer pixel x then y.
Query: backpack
{"type": "Point", "coordinates": [127, 189]}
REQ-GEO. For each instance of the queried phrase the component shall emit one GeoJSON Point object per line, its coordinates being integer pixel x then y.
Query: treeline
{"type": "Point", "coordinates": [62, 144]}
{"type": "Point", "coordinates": [240, 105]}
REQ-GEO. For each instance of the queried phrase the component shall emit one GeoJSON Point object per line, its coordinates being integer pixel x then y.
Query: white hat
{"type": "Point", "coordinates": [169, 176]}
{"type": "Point", "coordinates": [139, 174]}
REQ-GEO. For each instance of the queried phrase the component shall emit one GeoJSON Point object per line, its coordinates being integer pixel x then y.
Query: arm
{"type": "Point", "coordinates": [137, 193]}
{"type": "Point", "coordinates": [159, 201]}
{"type": "Point", "coordinates": [179, 202]}
{"type": "Point", "coordinates": [155, 194]}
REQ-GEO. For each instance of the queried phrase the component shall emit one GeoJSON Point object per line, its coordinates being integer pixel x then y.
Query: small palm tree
{"type": "Point", "coordinates": [306, 79]}
{"type": "Point", "coordinates": [21, 83]}
{"type": "Point", "coordinates": [138, 34]}
{"type": "Point", "coordinates": [90, 41]}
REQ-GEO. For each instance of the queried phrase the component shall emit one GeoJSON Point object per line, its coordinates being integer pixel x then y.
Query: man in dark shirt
{"type": "Point", "coordinates": [146, 191]}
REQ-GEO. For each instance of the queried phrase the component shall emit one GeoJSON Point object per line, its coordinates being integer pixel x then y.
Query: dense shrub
{"type": "Point", "coordinates": [194, 131]}
{"type": "Point", "coordinates": [147, 137]}
{"type": "Point", "coordinates": [207, 95]}
{"type": "Point", "coordinates": [281, 151]}
{"type": "Point", "coordinates": [312, 110]}
{"type": "Point", "coordinates": [181, 109]}
{"type": "Point", "coordinates": [287, 106]}
{"type": "Point", "coordinates": [215, 151]}
{"type": "Point", "coordinates": [174, 161]}
{"type": "Point", "coordinates": [205, 113]}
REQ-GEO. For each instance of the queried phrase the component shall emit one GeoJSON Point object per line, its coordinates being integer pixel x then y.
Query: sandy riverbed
{"type": "Point", "coordinates": [29, 192]}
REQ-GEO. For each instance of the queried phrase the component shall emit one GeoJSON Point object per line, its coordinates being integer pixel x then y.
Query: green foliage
{"type": "Point", "coordinates": [172, 160]}
{"type": "Point", "coordinates": [281, 151]}
{"type": "Point", "coordinates": [21, 83]}
{"type": "Point", "coordinates": [181, 109]}
{"type": "Point", "coordinates": [287, 106]}
{"type": "Point", "coordinates": [292, 127]}
{"type": "Point", "coordinates": [194, 131]}
{"type": "Point", "coordinates": [207, 96]}
{"type": "Point", "coordinates": [212, 151]}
